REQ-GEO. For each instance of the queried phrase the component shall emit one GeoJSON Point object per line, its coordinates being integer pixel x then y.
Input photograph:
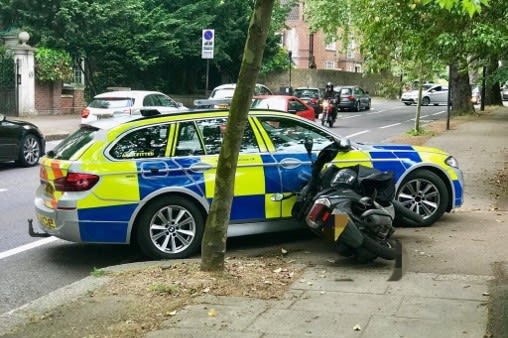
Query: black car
{"type": "Point", "coordinates": [20, 141]}
{"type": "Point", "coordinates": [352, 98]}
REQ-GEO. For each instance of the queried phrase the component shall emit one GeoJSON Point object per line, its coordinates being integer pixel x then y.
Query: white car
{"type": "Point", "coordinates": [128, 102]}
{"type": "Point", "coordinates": [223, 94]}
{"type": "Point", "coordinates": [431, 94]}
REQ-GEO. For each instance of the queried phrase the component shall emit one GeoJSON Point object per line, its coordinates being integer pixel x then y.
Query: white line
{"type": "Point", "coordinates": [27, 247]}
{"type": "Point", "coordinates": [3, 189]}
{"type": "Point", "coordinates": [439, 112]}
{"type": "Point", "coordinates": [390, 125]}
{"type": "Point", "coordinates": [351, 116]}
{"type": "Point", "coordinates": [359, 133]}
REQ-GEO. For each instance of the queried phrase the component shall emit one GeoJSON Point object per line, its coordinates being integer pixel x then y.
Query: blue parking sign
{"type": "Point", "coordinates": [207, 44]}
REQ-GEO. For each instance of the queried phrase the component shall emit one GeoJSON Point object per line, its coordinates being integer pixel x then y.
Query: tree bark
{"type": "Point", "coordinates": [460, 90]}
{"type": "Point", "coordinates": [213, 246]}
{"type": "Point", "coordinates": [492, 88]}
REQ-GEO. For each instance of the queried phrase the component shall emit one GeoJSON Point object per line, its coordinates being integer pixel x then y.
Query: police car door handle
{"type": "Point", "coordinates": [201, 166]}
{"type": "Point", "coordinates": [290, 163]}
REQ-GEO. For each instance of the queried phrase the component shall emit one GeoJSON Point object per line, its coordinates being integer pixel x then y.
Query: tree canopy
{"type": "Point", "coordinates": [142, 43]}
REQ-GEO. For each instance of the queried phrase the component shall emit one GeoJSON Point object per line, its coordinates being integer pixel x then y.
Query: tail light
{"type": "Point", "coordinates": [85, 112]}
{"type": "Point", "coordinates": [351, 98]}
{"type": "Point", "coordinates": [76, 182]}
{"type": "Point", "coordinates": [319, 213]}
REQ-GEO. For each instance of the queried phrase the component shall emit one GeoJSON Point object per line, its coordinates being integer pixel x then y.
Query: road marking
{"type": "Point", "coordinates": [439, 112]}
{"type": "Point", "coordinates": [26, 247]}
{"type": "Point", "coordinates": [351, 116]}
{"type": "Point", "coordinates": [390, 125]}
{"type": "Point", "coordinates": [3, 189]}
{"type": "Point", "coordinates": [358, 133]}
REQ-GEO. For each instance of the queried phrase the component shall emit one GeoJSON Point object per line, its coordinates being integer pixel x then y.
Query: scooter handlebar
{"type": "Point", "coordinates": [406, 213]}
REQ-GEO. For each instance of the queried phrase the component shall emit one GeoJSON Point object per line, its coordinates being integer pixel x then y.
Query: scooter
{"type": "Point", "coordinates": [353, 207]}
{"type": "Point", "coordinates": [327, 116]}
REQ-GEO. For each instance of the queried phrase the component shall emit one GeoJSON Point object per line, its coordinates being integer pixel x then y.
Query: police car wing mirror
{"type": "Point", "coordinates": [344, 145]}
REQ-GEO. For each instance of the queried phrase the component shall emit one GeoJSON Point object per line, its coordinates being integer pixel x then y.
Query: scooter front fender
{"type": "Point", "coordinates": [351, 235]}
{"type": "Point", "coordinates": [344, 230]}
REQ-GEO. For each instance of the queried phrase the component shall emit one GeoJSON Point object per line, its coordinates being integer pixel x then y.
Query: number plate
{"type": "Point", "coordinates": [47, 221]}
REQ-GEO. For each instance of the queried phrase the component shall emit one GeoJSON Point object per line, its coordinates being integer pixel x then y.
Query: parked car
{"type": "Point", "coordinates": [312, 96]}
{"type": "Point", "coordinates": [352, 98]}
{"type": "Point", "coordinates": [287, 103]}
{"type": "Point", "coordinates": [20, 141]}
{"type": "Point", "coordinates": [504, 92]}
{"type": "Point", "coordinates": [225, 92]}
{"type": "Point", "coordinates": [476, 95]}
{"type": "Point", "coordinates": [431, 94]}
{"type": "Point", "coordinates": [151, 180]}
{"type": "Point", "coordinates": [128, 102]}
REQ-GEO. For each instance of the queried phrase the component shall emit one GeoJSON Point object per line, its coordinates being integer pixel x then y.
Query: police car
{"type": "Point", "coordinates": [151, 180]}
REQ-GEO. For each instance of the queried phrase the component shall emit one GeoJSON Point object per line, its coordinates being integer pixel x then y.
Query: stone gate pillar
{"type": "Point", "coordinates": [23, 54]}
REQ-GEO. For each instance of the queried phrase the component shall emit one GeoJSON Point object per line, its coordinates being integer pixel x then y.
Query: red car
{"type": "Point", "coordinates": [287, 103]}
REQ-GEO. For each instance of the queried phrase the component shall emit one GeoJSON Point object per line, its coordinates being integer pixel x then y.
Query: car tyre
{"type": "Point", "coordinates": [426, 101]}
{"type": "Point", "coordinates": [170, 227]}
{"type": "Point", "coordinates": [357, 106]}
{"type": "Point", "coordinates": [30, 151]}
{"type": "Point", "coordinates": [424, 193]}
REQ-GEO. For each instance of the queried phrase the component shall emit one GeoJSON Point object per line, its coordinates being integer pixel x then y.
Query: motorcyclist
{"type": "Point", "coordinates": [331, 96]}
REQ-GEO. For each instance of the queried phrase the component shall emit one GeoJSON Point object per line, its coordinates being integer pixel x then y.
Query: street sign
{"type": "Point", "coordinates": [207, 43]}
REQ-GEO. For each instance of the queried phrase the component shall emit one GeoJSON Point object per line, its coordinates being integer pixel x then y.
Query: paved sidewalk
{"type": "Point", "coordinates": [348, 301]}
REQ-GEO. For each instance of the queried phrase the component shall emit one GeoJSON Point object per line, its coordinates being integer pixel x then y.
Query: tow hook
{"type": "Point", "coordinates": [31, 231]}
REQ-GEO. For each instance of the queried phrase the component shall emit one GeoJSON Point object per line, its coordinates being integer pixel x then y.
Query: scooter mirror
{"type": "Point", "coordinates": [309, 144]}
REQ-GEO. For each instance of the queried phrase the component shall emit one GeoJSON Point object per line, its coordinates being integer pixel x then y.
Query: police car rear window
{"type": "Point", "coordinates": [73, 143]}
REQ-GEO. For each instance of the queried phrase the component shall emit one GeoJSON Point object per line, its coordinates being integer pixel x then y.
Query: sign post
{"type": "Point", "coordinates": [207, 45]}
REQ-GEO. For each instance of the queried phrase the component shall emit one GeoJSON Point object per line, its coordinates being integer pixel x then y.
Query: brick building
{"type": "Point", "coordinates": [311, 50]}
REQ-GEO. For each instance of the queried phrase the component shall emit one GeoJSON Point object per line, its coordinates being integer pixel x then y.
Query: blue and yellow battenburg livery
{"type": "Point", "coordinates": [152, 179]}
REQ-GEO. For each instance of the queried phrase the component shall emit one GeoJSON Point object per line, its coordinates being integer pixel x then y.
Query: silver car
{"type": "Point", "coordinates": [432, 94]}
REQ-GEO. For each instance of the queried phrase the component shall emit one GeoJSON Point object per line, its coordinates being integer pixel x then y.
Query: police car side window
{"type": "Point", "coordinates": [213, 130]}
{"type": "Point", "coordinates": [188, 143]}
{"type": "Point", "coordinates": [288, 135]}
{"type": "Point", "coordinates": [147, 142]}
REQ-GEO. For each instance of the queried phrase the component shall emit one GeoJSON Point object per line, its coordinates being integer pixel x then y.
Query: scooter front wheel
{"type": "Point", "coordinates": [384, 249]}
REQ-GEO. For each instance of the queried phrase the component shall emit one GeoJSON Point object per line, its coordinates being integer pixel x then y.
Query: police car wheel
{"type": "Point", "coordinates": [170, 227]}
{"type": "Point", "coordinates": [424, 193]}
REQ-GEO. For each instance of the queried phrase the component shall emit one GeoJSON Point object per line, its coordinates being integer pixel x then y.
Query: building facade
{"type": "Point", "coordinates": [310, 50]}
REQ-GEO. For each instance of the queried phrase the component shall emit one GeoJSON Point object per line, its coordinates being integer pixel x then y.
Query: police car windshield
{"type": "Point", "coordinates": [73, 143]}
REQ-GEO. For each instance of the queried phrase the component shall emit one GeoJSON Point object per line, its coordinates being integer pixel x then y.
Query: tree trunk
{"type": "Point", "coordinates": [460, 91]}
{"type": "Point", "coordinates": [213, 247]}
{"type": "Point", "coordinates": [492, 88]}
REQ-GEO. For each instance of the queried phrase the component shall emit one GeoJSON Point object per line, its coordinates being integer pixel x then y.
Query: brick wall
{"type": "Point", "coordinates": [52, 99]}
{"type": "Point", "coordinates": [72, 101]}
{"type": "Point", "coordinates": [48, 97]}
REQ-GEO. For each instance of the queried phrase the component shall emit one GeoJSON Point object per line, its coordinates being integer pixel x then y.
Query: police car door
{"type": "Point", "coordinates": [286, 136]}
{"type": "Point", "coordinates": [250, 201]}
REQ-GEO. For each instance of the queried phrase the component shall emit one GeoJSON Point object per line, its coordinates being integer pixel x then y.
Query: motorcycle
{"type": "Point", "coordinates": [353, 206]}
{"type": "Point", "coordinates": [328, 116]}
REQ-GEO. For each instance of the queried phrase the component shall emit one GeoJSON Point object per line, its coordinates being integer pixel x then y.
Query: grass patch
{"type": "Point", "coordinates": [97, 272]}
{"type": "Point", "coordinates": [164, 288]}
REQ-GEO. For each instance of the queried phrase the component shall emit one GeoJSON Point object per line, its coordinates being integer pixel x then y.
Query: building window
{"type": "Point", "coordinates": [330, 64]}
{"type": "Point", "coordinates": [331, 46]}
